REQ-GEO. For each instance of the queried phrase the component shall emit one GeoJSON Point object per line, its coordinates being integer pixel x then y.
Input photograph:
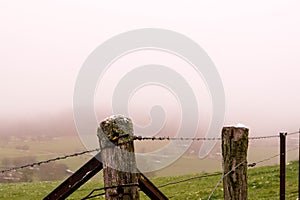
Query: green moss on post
{"type": "Point", "coordinates": [234, 152]}
{"type": "Point", "coordinates": [117, 152]}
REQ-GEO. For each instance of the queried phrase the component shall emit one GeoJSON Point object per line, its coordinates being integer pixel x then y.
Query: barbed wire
{"type": "Point", "coordinates": [170, 183]}
{"type": "Point", "coordinates": [189, 179]}
{"type": "Point", "coordinates": [205, 138]}
{"type": "Point", "coordinates": [293, 133]}
{"type": "Point", "coordinates": [270, 158]}
{"type": "Point", "coordinates": [89, 196]}
{"type": "Point", "coordinates": [253, 164]}
{"type": "Point", "coordinates": [93, 196]}
{"type": "Point", "coordinates": [267, 159]}
{"type": "Point", "coordinates": [48, 161]}
{"type": "Point", "coordinates": [263, 137]}
{"type": "Point", "coordinates": [249, 165]}
{"type": "Point", "coordinates": [139, 138]}
{"type": "Point", "coordinates": [223, 176]}
{"type": "Point", "coordinates": [173, 138]}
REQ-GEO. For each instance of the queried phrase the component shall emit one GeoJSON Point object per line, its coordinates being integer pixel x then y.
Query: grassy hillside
{"type": "Point", "coordinates": [263, 183]}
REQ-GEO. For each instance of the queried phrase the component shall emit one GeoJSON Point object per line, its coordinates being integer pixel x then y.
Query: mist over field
{"type": "Point", "coordinates": [254, 47]}
{"type": "Point", "coordinates": [55, 125]}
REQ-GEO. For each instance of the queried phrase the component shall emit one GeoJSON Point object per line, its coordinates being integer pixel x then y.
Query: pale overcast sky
{"type": "Point", "coordinates": [255, 46]}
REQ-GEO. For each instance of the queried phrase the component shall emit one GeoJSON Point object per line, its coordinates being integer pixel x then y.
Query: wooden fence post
{"type": "Point", "coordinates": [234, 152]}
{"type": "Point", "coordinates": [117, 153]}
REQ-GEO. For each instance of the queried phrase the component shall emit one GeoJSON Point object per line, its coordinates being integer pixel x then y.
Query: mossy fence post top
{"type": "Point", "coordinates": [234, 152]}
{"type": "Point", "coordinates": [117, 153]}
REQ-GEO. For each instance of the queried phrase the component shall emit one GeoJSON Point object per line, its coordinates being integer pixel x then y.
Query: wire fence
{"type": "Point", "coordinates": [92, 195]}
{"type": "Point", "coordinates": [141, 138]}
{"type": "Point", "coordinates": [49, 160]}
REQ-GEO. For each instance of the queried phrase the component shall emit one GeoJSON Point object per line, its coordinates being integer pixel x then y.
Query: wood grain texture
{"type": "Point", "coordinates": [119, 165]}
{"type": "Point", "coordinates": [234, 152]}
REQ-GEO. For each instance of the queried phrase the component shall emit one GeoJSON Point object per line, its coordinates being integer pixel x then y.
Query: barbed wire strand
{"type": "Point", "coordinates": [89, 196]}
{"type": "Point", "coordinates": [249, 165]}
{"type": "Point", "coordinates": [134, 138]}
{"type": "Point", "coordinates": [189, 179]}
{"type": "Point", "coordinates": [274, 156]}
{"type": "Point", "coordinates": [221, 179]}
{"type": "Point", "coordinates": [293, 133]}
{"type": "Point", "coordinates": [267, 159]}
{"type": "Point", "coordinates": [205, 138]}
{"type": "Point", "coordinates": [140, 138]}
{"type": "Point", "coordinates": [173, 138]}
{"type": "Point", "coordinates": [50, 160]}
{"type": "Point", "coordinates": [202, 176]}
{"type": "Point", "coordinates": [94, 196]}
{"type": "Point", "coordinates": [263, 137]}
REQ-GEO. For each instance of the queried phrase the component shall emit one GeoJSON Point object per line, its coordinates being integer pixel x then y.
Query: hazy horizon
{"type": "Point", "coordinates": [254, 45]}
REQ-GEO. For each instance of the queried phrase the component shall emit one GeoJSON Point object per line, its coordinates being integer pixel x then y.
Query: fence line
{"type": "Point", "coordinates": [192, 178]}
{"type": "Point", "coordinates": [253, 164]}
{"type": "Point", "coordinates": [139, 138]}
{"type": "Point", "coordinates": [220, 173]}
{"type": "Point", "coordinates": [267, 159]}
{"type": "Point", "coordinates": [50, 160]}
{"type": "Point", "coordinates": [249, 165]}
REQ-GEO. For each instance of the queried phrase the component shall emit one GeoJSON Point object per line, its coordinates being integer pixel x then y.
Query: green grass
{"type": "Point", "coordinates": [263, 183]}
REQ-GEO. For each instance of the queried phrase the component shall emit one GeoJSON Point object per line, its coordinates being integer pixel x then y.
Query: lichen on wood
{"type": "Point", "coordinates": [117, 152]}
{"type": "Point", "coordinates": [234, 152]}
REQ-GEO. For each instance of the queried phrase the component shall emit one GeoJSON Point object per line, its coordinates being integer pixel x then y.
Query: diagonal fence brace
{"type": "Point", "coordinates": [87, 171]}
{"type": "Point", "coordinates": [76, 180]}
{"type": "Point", "coordinates": [150, 189]}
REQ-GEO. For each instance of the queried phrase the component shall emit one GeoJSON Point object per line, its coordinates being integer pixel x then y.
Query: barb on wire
{"type": "Point", "coordinates": [270, 158]}
{"type": "Point", "coordinates": [50, 160]}
{"type": "Point", "coordinates": [89, 196]}
{"type": "Point", "coordinates": [264, 160]}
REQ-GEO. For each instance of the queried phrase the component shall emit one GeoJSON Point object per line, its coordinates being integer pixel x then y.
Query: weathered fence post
{"type": "Point", "coordinates": [282, 165]}
{"type": "Point", "coordinates": [234, 151]}
{"type": "Point", "coordinates": [117, 153]}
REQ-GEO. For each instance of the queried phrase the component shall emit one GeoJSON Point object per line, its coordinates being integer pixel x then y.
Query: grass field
{"type": "Point", "coordinates": [263, 183]}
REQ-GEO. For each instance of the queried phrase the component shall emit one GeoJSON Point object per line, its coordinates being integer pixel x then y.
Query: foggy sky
{"type": "Point", "coordinates": [254, 45]}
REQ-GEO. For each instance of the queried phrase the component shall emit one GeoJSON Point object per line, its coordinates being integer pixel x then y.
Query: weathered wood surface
{"type": "Point", "coordinates": [234, 152]}
{"type": "Point", "coordinates": [117, 152]}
